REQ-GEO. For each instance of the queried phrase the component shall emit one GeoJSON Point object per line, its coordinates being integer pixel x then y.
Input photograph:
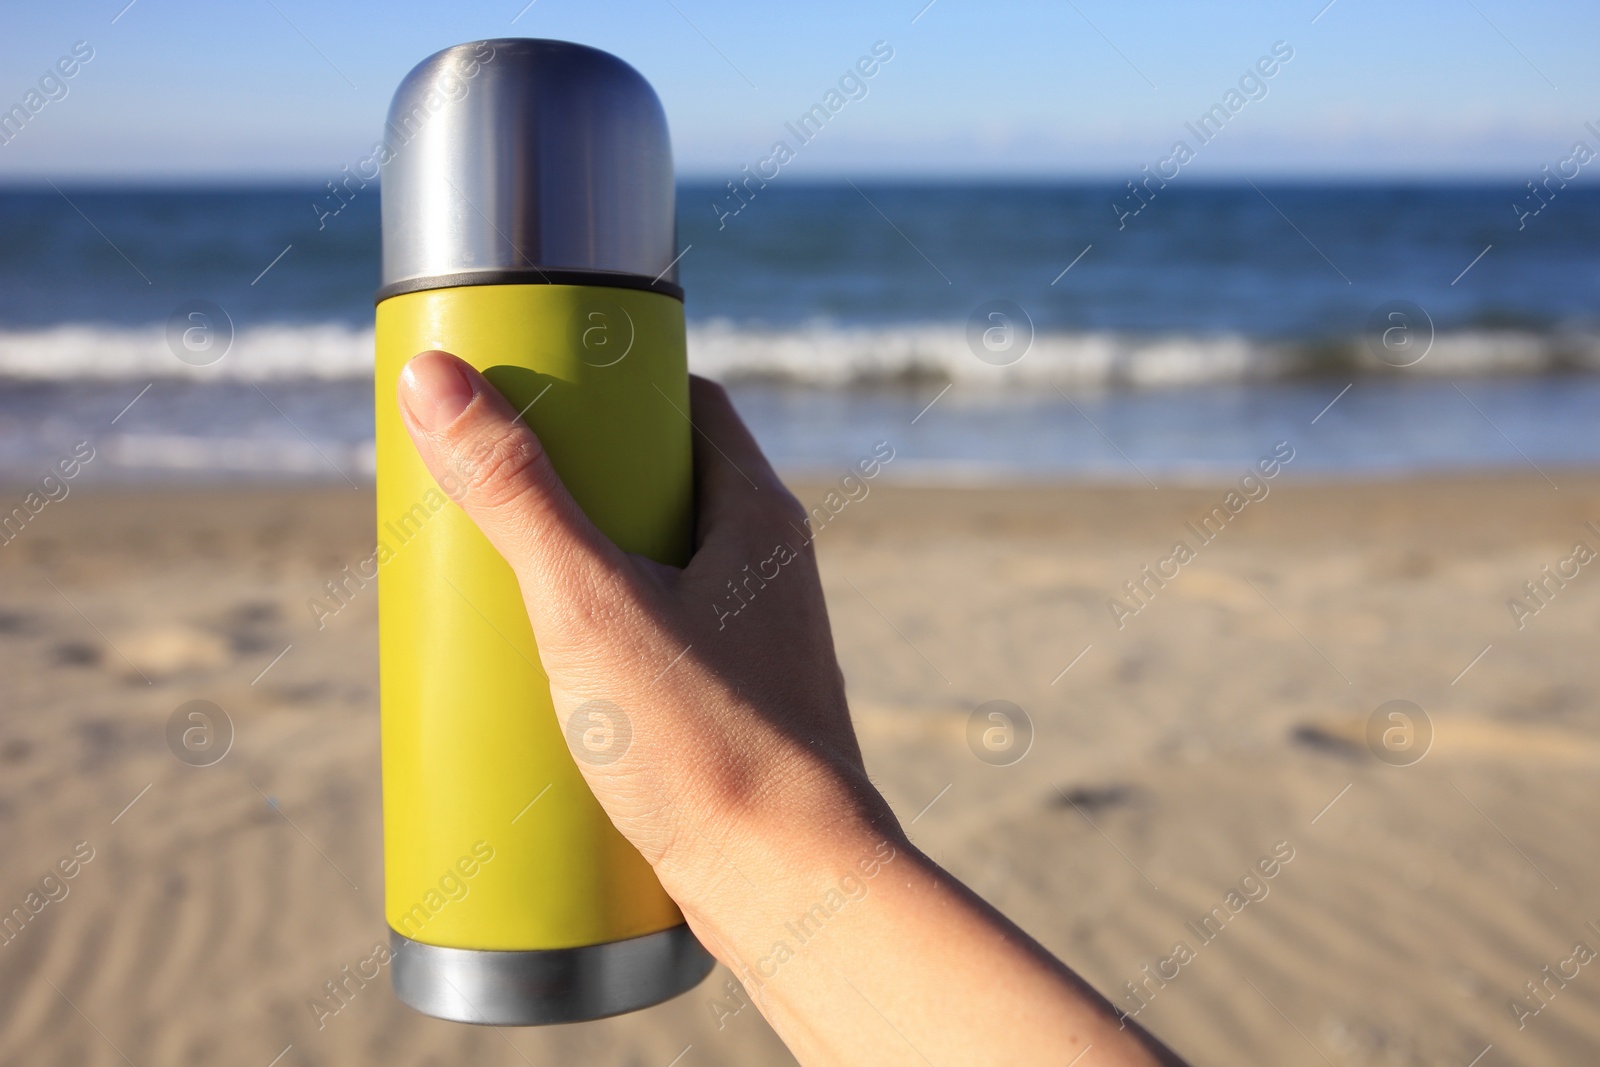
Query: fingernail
{"type": "Point", "coordinates": [434, 390]}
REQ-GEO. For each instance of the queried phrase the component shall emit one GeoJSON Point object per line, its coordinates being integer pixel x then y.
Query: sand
{"type": "Point", "coordinates": [1219, 731]}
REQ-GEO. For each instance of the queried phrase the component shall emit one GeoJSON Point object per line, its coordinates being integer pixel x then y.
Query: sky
{"type": "Point", "coordinates": [245, 90]}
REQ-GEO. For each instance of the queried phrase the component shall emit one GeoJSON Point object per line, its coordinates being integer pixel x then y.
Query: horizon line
{"type": "Point", "coordinates": [44, 180]}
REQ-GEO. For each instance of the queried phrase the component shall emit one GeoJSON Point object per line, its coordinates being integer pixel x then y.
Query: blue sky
{"type": "Point", "coordinates": [293, 88]}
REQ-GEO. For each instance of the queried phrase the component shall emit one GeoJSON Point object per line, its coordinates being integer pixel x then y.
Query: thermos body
{"type": "Point", "coordinates": [525, 231]}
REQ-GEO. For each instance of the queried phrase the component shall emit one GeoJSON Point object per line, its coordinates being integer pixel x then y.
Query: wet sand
{"type": "Point", "coordinates": [1219, 733]}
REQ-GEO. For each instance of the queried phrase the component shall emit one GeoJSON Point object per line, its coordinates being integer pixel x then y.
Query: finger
{"type": "Point", "coordinates": [491, 464]}
{"type": "Point", "coordinates": [739, 494]}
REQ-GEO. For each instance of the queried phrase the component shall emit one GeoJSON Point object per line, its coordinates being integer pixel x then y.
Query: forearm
{"type": "Point", "coordinates": [858, 949]}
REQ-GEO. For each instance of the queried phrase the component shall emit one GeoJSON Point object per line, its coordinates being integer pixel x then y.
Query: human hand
{"type": "Point", "coordinates": [739, 723]}
{"type": "Point", "coordinates": [743, 785]}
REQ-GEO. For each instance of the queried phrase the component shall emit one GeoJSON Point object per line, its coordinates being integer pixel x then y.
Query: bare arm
{"type": "Point", "coordinates": [743, 784]}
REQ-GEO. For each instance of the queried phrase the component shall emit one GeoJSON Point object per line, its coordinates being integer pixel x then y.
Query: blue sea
{"type": "Point", "coordinates": [989, 331]}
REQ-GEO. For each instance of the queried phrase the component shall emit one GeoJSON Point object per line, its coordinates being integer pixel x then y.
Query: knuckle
{"type": "Point", "coordinates": [786, 509]}
{"type": "Point", "coordinates": [494, 470]}
{"type": "Point", "coordinates": [712, 389]}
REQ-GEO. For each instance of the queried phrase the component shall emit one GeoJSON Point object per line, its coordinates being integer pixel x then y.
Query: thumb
{"type": "Point", "coordinates": [473, 441]}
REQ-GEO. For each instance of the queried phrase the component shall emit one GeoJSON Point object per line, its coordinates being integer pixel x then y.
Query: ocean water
{"type": "Point", "coordinates": [987, 330]}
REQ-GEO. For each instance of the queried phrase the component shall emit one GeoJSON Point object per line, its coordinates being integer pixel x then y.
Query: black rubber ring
{"type": "Point", "coordinates": [533, 276]}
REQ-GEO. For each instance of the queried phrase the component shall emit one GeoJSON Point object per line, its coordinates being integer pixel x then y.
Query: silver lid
{"type": "Point", "coordinates": [527, 160]}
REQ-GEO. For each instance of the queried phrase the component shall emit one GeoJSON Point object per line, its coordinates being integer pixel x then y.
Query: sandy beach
{"type": "Point", "coordinates": [1218, 733]}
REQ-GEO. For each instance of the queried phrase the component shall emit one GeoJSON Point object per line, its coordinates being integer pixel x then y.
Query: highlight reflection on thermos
{"type": "Point", "coordinates": [528, 227]}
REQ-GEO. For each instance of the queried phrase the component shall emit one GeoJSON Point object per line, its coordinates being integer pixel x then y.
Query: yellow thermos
{"type": "Point", "coordinates": [528, 227]}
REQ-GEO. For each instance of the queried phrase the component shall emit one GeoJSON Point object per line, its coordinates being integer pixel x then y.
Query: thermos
{"type": "Point", "coordinates": [528, 228]}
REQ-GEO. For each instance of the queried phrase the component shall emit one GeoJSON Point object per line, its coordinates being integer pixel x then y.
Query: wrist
{"type": "Point", "coordinates": [768, 869]}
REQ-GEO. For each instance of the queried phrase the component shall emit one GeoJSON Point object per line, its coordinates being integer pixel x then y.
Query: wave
{"type": "Point", "coordinates": [843, 356]}
{"type": "Point", "coordinates": [263, 353]}
{"type": "Point", "coordinates": [240, 455]}
{"type": "Point", "coordinates": [830, 355]}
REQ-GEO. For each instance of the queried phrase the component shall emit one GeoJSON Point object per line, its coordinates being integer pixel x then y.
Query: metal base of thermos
{"type": "Point", "coordinates": [538, 987]}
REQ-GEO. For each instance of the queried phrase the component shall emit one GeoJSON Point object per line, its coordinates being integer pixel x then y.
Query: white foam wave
{"type": "Point", "coordinates": [817, 354]}
{"type": "Point", "coordinates": [255, 455]}
{"type": "Point", "coordinates": [838, 356]}
{"type": "Point", "coordinates": [318, 350]}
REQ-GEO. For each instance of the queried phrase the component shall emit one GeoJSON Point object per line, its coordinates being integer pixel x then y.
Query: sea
{"type": "Point", "coordinates": [991, 332]}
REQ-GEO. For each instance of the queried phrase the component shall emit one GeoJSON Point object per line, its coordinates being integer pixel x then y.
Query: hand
{"type": "Point", "coordinates": [743, 785]}
{"type": "Point", "coordinates": [735, 719]}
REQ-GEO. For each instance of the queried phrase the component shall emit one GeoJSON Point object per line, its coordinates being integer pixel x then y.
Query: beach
{"type": "Point", "coordinates": [1214, 730]}
{"type": "Point", "coordinates": [1199, 456]}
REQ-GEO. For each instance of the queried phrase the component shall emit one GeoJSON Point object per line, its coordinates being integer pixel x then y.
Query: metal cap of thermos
{"type": "Point", "coordinates": [522, 159]}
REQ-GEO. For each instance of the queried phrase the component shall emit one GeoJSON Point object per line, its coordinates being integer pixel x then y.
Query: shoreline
{"type": "Point", "coordinates": [924, 477]}
{"type": "Point", "coordinates": [949, 434]}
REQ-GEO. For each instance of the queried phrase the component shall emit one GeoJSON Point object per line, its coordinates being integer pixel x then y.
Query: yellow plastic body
{"type": "Point", "coordinates": [492, 840]}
